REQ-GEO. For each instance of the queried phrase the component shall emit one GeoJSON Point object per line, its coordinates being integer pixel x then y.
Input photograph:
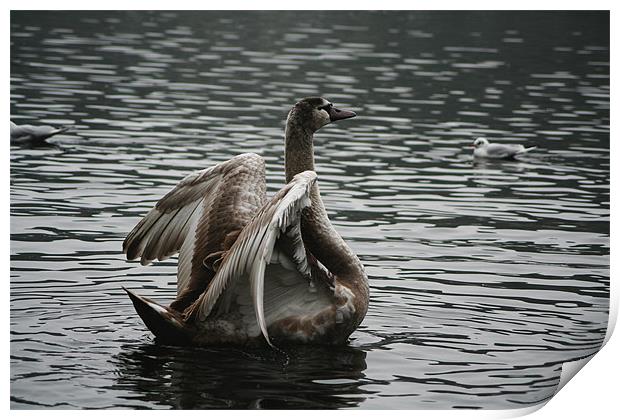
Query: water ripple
{"type": "Point", "coordinates": [484, 277]}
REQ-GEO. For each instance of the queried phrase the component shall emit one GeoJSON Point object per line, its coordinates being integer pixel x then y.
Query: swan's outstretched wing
{"type": "Point", "coordinates": [254, 249]}
{"type": "Point", "coordinates": [199, 218]}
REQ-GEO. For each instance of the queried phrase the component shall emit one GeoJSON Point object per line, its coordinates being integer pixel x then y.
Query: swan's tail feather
{"type": "Point", "coordinates": [527, 149]}
{"type": "Point", "coordinates": [167, 325]}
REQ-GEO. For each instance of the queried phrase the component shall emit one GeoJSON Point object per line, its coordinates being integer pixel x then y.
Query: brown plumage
{"type": "Point", "coordinates": [252, 269]}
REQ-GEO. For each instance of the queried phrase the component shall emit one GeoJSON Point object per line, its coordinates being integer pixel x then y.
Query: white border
{"type": "Point", "coordinates": [312, 5]}
{"type": "Point", "coordinates": [591, 394]}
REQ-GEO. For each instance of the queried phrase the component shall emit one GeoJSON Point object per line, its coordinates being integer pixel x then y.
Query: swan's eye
{"type": "Point", "coordinates": [325, 107]}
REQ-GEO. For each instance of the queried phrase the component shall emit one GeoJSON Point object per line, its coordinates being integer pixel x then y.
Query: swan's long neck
{"type": "Point", "coordinates": [320, 237]}
{"type": "Point", "coordinates": [298, 150]}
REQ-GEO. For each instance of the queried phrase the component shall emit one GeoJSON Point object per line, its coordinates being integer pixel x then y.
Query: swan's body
{"type": "Point", "coordinates": [33, 134]}
{"type": "Point", "coordinates": [484, 149]}
{"type": "Point", "coordinates": [250, 269]}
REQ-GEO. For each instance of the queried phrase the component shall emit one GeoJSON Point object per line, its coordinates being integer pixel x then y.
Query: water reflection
{"type": "Point", "coordinates": [188, 378]}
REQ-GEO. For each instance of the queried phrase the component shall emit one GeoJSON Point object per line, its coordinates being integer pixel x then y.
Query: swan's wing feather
{"type": "Point", "coordinates": [253, 249]}
{"type": "Point", "coordinates": [147, 241]}
{"type": "Point", "coordinates": [198, 214]}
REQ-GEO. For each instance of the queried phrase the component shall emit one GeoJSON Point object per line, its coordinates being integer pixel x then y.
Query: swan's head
{"type": "Point", "coordinates": [480, 142]}
{"type": "Point", "coordinates": [315, 112]}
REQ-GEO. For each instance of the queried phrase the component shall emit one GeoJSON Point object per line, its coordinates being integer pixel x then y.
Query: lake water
{"type": "Point", "coordinates": [484, 278]}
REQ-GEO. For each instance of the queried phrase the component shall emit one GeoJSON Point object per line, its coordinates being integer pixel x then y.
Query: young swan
{"type": "Point", "coordinates": [253, 270]}
{"type": "Point", "coordinates": [484, 149]}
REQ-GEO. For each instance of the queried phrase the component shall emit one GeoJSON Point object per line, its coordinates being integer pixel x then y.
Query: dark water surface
{"type": "Point", "coordinates": [484, 278]}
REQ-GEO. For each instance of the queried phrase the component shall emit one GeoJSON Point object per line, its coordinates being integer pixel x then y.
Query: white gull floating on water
{"type": "Point", "coordinates": [34, 134]}
{"type": "Point", "coordinates": [484, 149]}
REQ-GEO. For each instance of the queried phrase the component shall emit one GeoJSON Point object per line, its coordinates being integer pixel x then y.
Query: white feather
{"type": "Point", "coordinates": [253, 250]}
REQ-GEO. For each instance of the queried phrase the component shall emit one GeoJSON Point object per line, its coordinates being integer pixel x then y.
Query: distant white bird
{"type": "Point", "coordinates": [33, 134]}
{"type": "Point", "coordinates": [484, 149]}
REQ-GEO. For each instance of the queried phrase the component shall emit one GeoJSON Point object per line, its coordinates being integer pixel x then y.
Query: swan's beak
{"type": "Point", "coordinates": [336, 114]}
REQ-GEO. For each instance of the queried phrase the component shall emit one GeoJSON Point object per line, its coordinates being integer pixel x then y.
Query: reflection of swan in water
{"type": "Point", "coordinates": [34, 135]}
{"type": "Point", "coordinates": [248, 267]}
{"type": "Point", "coordinates": [199, 378]}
